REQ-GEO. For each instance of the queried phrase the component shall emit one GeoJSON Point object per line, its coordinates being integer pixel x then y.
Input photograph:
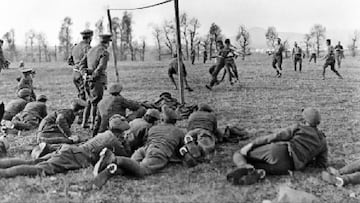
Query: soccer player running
{"type": "Point", "coordinates": [330, 60]}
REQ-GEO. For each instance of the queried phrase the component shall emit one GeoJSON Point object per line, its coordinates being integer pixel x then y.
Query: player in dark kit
{"type": "Point", "coordinates": [297, 56]}
{"type": "Point", "coordinates": [277, 59]}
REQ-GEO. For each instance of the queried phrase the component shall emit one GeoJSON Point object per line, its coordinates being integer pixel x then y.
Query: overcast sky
{"type": "Point", "coordinates": [286, 15]}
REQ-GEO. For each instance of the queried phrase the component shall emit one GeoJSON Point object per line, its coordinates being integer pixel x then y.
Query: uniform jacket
{"type": "Point", "coordinates": [25, 82]}
{"type": "Point", "coordinates": [204, 120]}
{"type": "Point", "coordinates": [108, 139]}
{"type": "Point", "coordinates": [138, 128]}
{"type": "Point", "coordinates": [79, 51]}
{"type": "Point", "coordinates": [167, 137]}
{"type": "Point", "coordinates": [297, 51]}
{"type": "Point", "coordinates": [15, 106]}
{"type": "Point", "coordinates": [111, 105]}
{"type": "Point", "coordinates": [305, 144]}
{"type": "Point", "coordinates": [36, 108]}
{"type": "Point", "coordinates": [58, 122]}
{"type": "Point", "coordinates": [95, 63]}
{"type": "Point", "coordinates": [279, 48]}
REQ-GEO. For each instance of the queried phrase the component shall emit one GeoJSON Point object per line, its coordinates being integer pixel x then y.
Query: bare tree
{"type": "Point", "coordinates": [271, 36]}
{"type": "Point", "coordinates": [116, 30]}
{"type": "Point", "coordinates": [30, 36]}
{"type": "Point", "coordinates": [184, 24]}
{"type": "Point", "coordinates": [41, 41]}
{"type": "Point", "coordinates": [169, 34]}
{"type": "Point", "coordinates": [193, 31]}
{"type": "Point", "coordinates": [243, 37]}
{"type": "Point", "coordinates": [307, 41]}
{"type": "Point", "coordinates": [126, 34]}
{"type": "Point", "coordinates": [157, 35]}
{"type": "Point", "coordinates": [214, 34]}
{"type": "Point", "coordinates": [10, 40]}
{"type": "Point", "coordinates": [143, 47]}
{"type": "Point", "coordinates": [65, 36]}
{"type": "Point", "coordinates": [318, 33]}
{"type": "Point", "coordinates": [353, 45]}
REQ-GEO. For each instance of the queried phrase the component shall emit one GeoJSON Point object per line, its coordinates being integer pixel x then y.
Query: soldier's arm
{"type": "Point", "coordinates": [101, 67]}
{"type": "Point", "coordinates": [283, 135]}
{"type": "Point", "coordinates": [322, 159]}
{"type": "Point", "coordinates": [121, 148]}
{"type": "Point", "coordinates": [132, 105]}
{"type": "Point", "coordinates": [63, 125]}
{"type": "Point", "coordinates": [83, 65]}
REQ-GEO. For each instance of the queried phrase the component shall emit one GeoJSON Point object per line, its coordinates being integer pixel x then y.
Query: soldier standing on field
{"type": "Point", "coordinates": [93, 68]}
{"type": "Point", "coordinates": [339, 53]}
{"type": "Point", "coordinates": [297, 56]}
{"type": "Point", "coordinates": [277, 59]}
{"type": "Point", "coordinates": [77, 53]}
{"type": "Point", "coordinates": [330, 60]}
{"type": "Point", "coordinates": [4, 64]}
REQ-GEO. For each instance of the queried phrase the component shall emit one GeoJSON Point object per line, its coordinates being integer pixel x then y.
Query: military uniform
{"type": "Point", "coordinates": [14, 107]}
{"type": "Point", "coordinates": [55, 127]}
{"type": "Point", "coordinates": [297, 54]}
{"type": "Point", "coordinates": [220, 63]}
{"type": "Point", "coordinates": [193, 56]}
{"type": "Point", "coordinates": [31, 116]}
{"type": "Point", "coordinates": [277, 58]}
{"type": "Point", "coordinates": [168, 100]}
{"type": "Point", "coordinates": [94, 65]}
{"type": "Point", "coordinates": [111, 105]}
{"type": "Point", "coordinates": [230, 63]}
{"type": "Point", "coordinates": [26, 81]}
{"type": "Point", "coordinates": [68, 157]}
{"type": "Point", "coordinates": [330, 61]}
{"type": "Point", "coordinates": [205, 56]}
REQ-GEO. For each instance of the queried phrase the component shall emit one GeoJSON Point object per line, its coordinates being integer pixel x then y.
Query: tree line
{"type": "Point", "coordinates": [37, 47]}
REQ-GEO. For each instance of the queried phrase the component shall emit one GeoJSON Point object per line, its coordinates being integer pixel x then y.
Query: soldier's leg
{"type": "Point", "coordinates": [280, 60]}
{"type": "Point", "coordinates": [86, 114]}
{"type": "Point", "coordinates": [352, 178]}
{"type": "Point", "coordinates": [185, 80]}
{"type": "Point", "coordinates": [273, 158]}
{"type": "Point", "coordinates": [300, 64]}
{"type": "Point", "coordinates": [234, 69]}
{"type": "Point", "coordinates": [332, 66]}
{"type": "Point", "coordinates": [21, 170]}
{"type": "Point", "coordinates": [130, 166]}
{"type": "Point", "coordinates": [350, 168]}
{"type": "Point", "coordinates": [215, 73]}
{"type": "Point", "coordinates": [315, 58]}
{"type": "Point", "coordinates": [295, 61]}
{"type": "Point", "coordinates": [11, 162]}
{"type": "Point", "coordinates": [274, 62]}
{"type": "Point", "coordinates": [97, 92]}
{"type": "Point", "coordinates": [240, 160]}
{"type": "Point", "coordinates": [324, 69]}
{"type": "Point", "coordinates": [96, 125]}
{"type": "Point", "coordinates": [171, 73]}
{"type": "Point", "coordinates": [139, 154]}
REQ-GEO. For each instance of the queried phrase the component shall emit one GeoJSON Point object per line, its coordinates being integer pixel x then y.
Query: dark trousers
{"type": "Point", "coordinates": [313, 56]}
{"type": "Point", "coordinates": [330, 62]}
{"type": "Point", "coordinates": [298, 59]}
{"type": "Point", "coordinates": [277, 62]}
{"type": "Point", "coordinates": [216, 70]}
{"type": "Point", "coordinates": [274, 158]}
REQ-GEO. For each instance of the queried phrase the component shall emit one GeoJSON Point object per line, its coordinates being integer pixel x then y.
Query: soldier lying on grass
{"type": "Point", "coordinates": [15, 106]}
{"type": "Point", "coordinates": [71, 157]}
{"type": "Point", "coordinates": [30, 117]}
{"type": "Point", "coordinates": [55, 127]}
{"type": "Point", "coordinates": [163, 144]}
{"type": "Point", "coordinates": [291, 149]}
{"type": "Point", "coordinates": [201, 136]}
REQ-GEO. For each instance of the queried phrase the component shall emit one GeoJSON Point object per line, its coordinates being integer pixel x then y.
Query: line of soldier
{"type": "Point", "coordinates": [151, 145]}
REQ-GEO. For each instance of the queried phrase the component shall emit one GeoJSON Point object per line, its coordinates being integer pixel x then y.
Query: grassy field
{"type": "Point", "coordinates": [258, 101]}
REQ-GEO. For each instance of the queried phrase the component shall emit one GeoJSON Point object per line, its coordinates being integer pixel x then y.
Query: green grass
{"type": "Point", "coordinates": [259, 101]}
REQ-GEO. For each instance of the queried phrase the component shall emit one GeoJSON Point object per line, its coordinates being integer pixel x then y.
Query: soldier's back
{"type": "Point", "coordinates": [36, 107]}
{"type": "Point", "coordinates": [79, 51]}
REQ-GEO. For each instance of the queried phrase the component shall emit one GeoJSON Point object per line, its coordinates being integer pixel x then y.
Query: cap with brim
{"type": "Point", "coordinates": [118, 122]}
{"type": "Point", "coordinates": [25, 70]}
{"type": "Point", "coordinates": [153, 113]}
{"type": "Point", "coordinates": [165, 94]}
{"type": "Point", "coordinates": [105, 37]}
{"type": "Point", "coordinates": [205, 107]}
{"type": "Point", "coordinates": [41, 97]}
{"type": "Point", "coordinates": [87, 33]}
{"type": "Point", "coordinates": [115, 88]}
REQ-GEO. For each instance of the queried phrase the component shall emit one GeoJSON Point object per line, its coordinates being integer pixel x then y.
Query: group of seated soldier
{"type": "Point", "coordinates": [147, 140]}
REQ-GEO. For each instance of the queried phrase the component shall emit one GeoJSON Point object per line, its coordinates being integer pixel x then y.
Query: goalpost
{"type": "Point", "coordinates": [178, 43]}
